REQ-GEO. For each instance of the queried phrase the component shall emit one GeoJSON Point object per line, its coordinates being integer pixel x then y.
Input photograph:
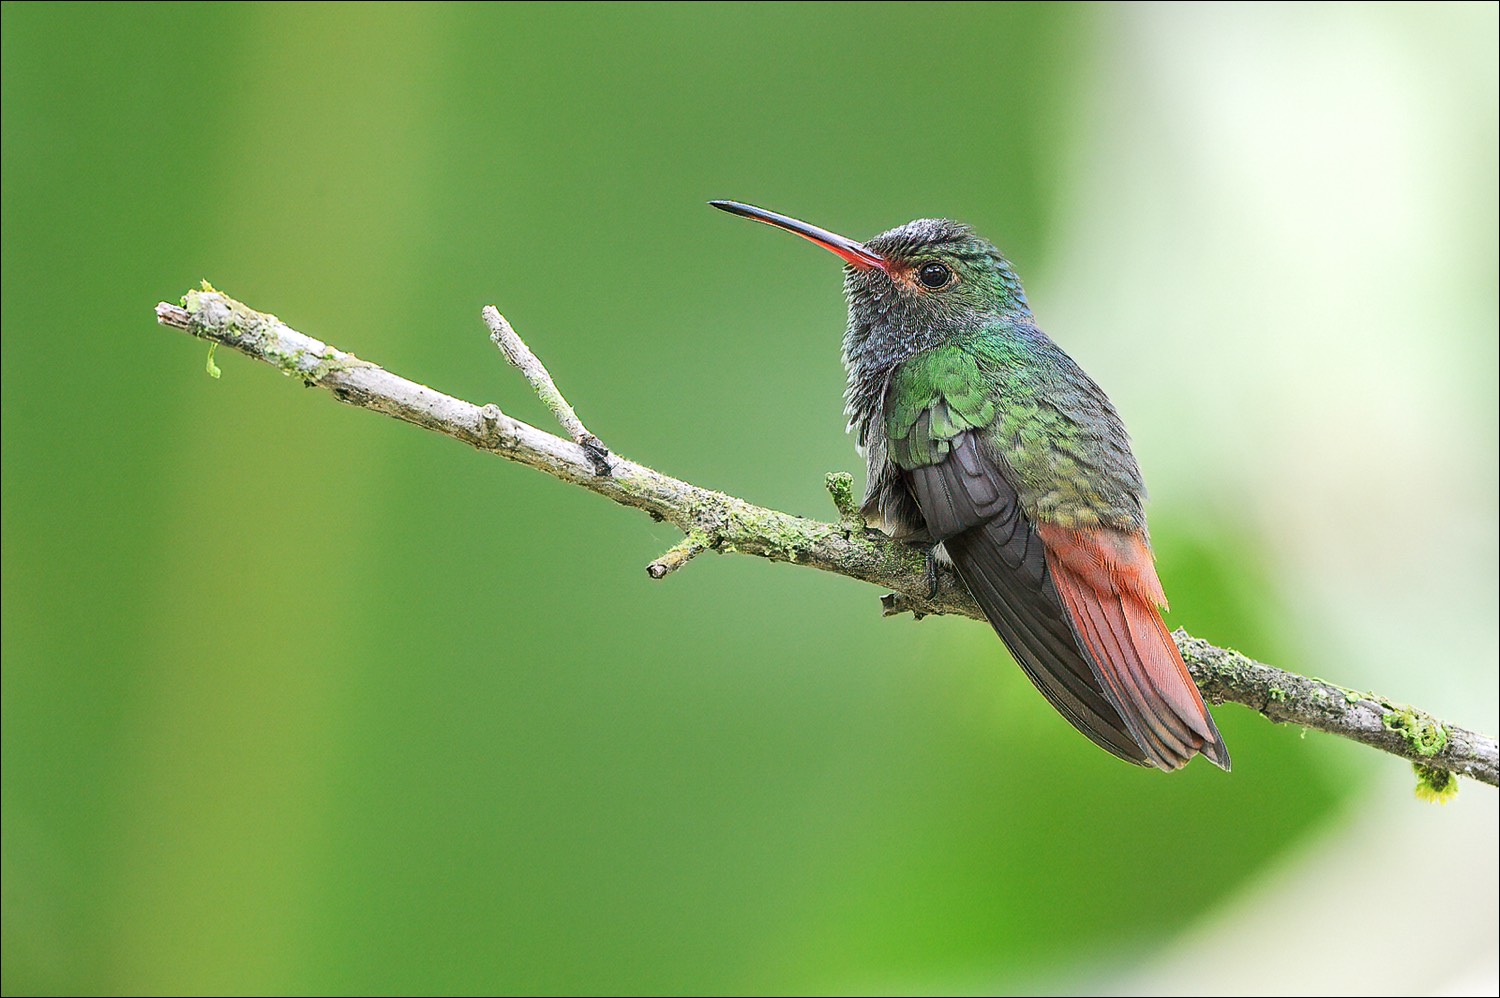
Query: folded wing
{"type": "Point", "coordinates": [1077, 609]}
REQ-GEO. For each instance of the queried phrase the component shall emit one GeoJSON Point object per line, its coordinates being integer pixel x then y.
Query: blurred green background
{"type": "Point", "coordinates": [299, 699]}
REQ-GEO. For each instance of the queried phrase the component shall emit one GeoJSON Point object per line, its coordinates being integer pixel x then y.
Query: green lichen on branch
{"type": "Point", "coordinates": [1425, 735]}
{"type": "Point", "coordinates": [840, 485]}
{"type": "Point", "coordinates": [777, 535]}
{"type": "Point", "coordinates": [1317, 704]}
{"type": "Point", "coordinates": [1435, 784]}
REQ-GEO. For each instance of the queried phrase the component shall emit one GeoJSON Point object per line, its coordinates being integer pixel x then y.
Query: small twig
{"type": "Point", "coordinates": [840, 486]}
{"type": "Point", "coordinates": [727, 523]}
{"type": "Point", "coordinates": [519, 354]}
{"type": "Point", "coordinates": [691, 547]}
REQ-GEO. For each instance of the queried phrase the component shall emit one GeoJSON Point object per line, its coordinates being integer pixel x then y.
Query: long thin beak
{"type": "Point", "coordinates": [854, 253]}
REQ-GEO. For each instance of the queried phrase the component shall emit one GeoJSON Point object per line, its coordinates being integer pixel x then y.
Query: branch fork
{"type": "Point", "coordinates": [520, 356]}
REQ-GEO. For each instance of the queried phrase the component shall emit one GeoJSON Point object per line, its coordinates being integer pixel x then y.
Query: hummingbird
{"type": "Point", "coordinates": [988, 445]}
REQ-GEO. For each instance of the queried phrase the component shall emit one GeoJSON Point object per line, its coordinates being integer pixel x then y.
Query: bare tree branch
{"type": "Point", "coordinates": [723, 523]}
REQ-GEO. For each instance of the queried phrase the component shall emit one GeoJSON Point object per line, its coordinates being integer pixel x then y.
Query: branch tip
{"type": "Point", "coordinates": [174, 316]}
{"type": "Point", "coordinates": [690, 547]}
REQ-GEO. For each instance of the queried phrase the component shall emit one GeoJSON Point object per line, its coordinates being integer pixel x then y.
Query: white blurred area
{"type": "Point", "coordinates": [1309, 193]}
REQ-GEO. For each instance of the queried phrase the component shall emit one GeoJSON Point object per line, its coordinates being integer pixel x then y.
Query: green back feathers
{"type": "Point", "coordinates": [1057, 436]}
{"type": "Point", "coordinates": [946, 387]}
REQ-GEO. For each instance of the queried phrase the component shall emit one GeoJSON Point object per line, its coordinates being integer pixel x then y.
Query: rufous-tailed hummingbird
{"type": "Point", "coordinates": [987, 443]}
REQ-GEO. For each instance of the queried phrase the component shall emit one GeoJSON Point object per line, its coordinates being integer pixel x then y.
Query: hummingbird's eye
{"type": "Point", "coordinates": [934, 275]}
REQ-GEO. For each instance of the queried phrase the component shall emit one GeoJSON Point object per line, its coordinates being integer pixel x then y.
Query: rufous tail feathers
{"type": "Point", "coordinates": [1108, 585]}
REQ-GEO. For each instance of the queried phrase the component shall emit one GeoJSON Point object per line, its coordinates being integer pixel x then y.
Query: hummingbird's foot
{"type": "Point", "coordinates": [933, 581]}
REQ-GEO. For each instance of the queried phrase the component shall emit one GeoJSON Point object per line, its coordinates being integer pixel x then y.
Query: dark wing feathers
{"type": "Point", "coordinates": [1042, 646]}
{"type": "Point", "coordinates": [974, 511]}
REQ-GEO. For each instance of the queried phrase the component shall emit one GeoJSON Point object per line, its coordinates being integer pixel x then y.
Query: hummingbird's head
{"type": "Point", "coordinates": [936, 271]}
{"type": "Point", "coordinates": [914, 286]}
